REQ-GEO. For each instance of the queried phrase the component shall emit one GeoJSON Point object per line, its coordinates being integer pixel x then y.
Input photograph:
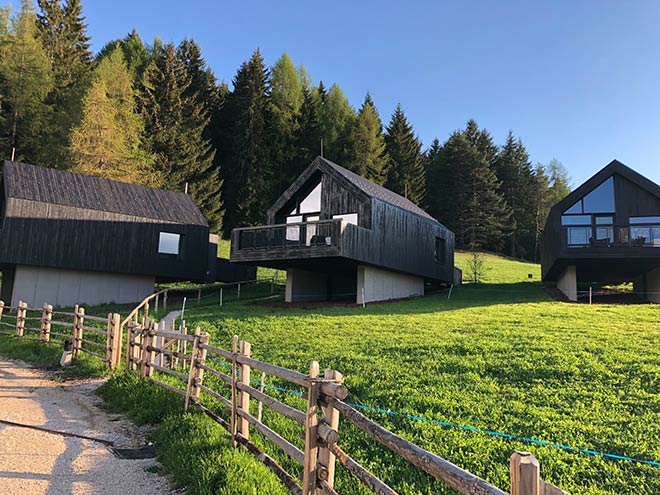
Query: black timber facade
{"type": "Point", "coordinates": [56, 220]}
{"type": "Point", "coordinates": [352, 222]}
{"type": "Point", "coordinates": [608, 229]}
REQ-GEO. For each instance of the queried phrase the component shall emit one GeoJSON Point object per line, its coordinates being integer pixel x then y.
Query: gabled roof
{"type": "Point", "coordinates": [612, 168]}
{"type": "Point", "coordinates": [367, 187]}
{"type": "Point", "coordinates": [47, 185]}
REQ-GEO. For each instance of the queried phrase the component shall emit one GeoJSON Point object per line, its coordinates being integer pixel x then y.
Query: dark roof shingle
{"type": "Point", "coordinates": [47, 185]}
{"type": "Point", "coordinates": [375, 191]}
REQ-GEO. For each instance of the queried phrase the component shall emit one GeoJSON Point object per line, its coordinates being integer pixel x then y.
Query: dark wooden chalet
{"type": "Point", "coordinates": [607, 231]}
{"type": "Point", "coordinates": [68, 238]}
{"type": "Point", "coordinates": [339, 235]}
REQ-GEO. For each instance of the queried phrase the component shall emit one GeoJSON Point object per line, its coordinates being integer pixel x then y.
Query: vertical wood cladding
{"type": "Point", "coordinates": [52, 235]}
{"type": "Point", "coordinates": [401, 241]}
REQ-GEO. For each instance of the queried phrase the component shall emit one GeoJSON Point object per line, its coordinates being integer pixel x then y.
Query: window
{"type": "Point", "coordinates": [579, 236]}
{"type": "Point", "coordinates": [349, 217]}
{"type": "Point", "coordinates": [293, 232]}
{"type": "Point", "coordinates": [576, 220]}
{"type": "Point", "coordinates": [440, 250]}
{"type": "Point", "coordinates": [600, 200]}
{"type": "Point", "coordinates": [312, 202]}
{"type": "Point", "coordinates": [169, 244]}
{"type": "Point", "coordinates": [644, 220]}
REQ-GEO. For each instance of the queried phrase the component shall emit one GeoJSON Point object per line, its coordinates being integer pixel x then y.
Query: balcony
{"type": "Point", "coordinates": [611, 236]}
{"type": "Point", "coordinates": [286, 241]}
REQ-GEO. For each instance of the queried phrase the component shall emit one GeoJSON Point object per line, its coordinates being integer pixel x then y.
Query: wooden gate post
{"type": "Point", "coordinates": [193, 367]}
{"type": "Point", "coordinates": [109, 343]}
{"type": "Point", "coordinates": [2, 308]}
{"type": "Point", "coordinates": [148, 354]}
{"type": "Point", "coordinates": [129, 345]}
{"type": "Point", "coordinates": [525, 474]}
{"type": "Point", "coordinates": [20, 318]}
{"type": "Point", "coordinates": [311, 432]}
{"type": "Point", "coordinates": [200, 361]}
{"type": "Point", "coordinates": [244, 398]}
{"type": "Point", "coordinates": [74, 330]}
{"type": "Point", "coordinates": [46, 318]}
{"type": "Point", "coordinates": [116, 341]}
{"type": "Point", "coordinates": [331, 418]}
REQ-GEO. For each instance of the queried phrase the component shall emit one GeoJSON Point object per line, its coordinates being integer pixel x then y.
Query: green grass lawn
{"type": "Point", "coordinates": [499, 356]}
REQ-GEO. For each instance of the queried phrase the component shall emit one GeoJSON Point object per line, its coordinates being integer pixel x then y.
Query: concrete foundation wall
{"type": "Point", "coordinates": [653, 285]}
{"type": "Point", "coordinates": [302, 285]}
{"type": "Point", "coordinates": [567, 283]}
{"type": "Point", "coordinates": [37, 286]}
{"type": "Point", "coordinates": [381, 285]}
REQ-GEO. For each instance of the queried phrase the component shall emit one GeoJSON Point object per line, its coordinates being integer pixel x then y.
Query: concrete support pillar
{"type": "Point", "coordinates": [382, 285]}
{"type": "Point", "coordinates": [302, 285]}
{"type": "Point", "coordinates": [567, 283]}
{"type": "Point", "coordinates": [653, 285]}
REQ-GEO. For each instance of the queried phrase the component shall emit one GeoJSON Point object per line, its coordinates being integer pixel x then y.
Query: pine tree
{"type": "Point", "coordinates": [405, 169]}
{"type": "Point", "coordinates": [368, 157]}
{"type": "Point", "coordinates": [26, 79]}
{"type": "Point", "coordinates": [108, 142]}
{"type": "Point", "coordinates": [245, 150]}
{"type": "Point", "coordinates": [63, 32]}
{"type": "Point", "coordinates": [517, 186]}
{"type": "Point", "coordinates": [287, 97]}
{"type": "Point", "coordinates": [175, 123]}
{"type": "Point", "coordinates": [338, 121]}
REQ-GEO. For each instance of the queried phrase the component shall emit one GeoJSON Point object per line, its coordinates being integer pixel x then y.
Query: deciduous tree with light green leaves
{"type": "Point", "coordinates": [109, 140]}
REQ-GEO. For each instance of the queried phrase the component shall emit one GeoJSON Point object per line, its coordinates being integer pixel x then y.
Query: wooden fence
{"type": "Point", "coordinates": [154, 352]}
{"type": "Point", "coordinates": [150, 351]}
{"type": "Point", "coordinates": [93, 335]}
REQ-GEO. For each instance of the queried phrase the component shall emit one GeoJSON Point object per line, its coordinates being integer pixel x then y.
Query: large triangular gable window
{"type": "Point", "coordinates": [600, 200]}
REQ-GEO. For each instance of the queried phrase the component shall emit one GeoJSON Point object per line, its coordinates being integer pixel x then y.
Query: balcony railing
{"type": "Point", "coordinates": [324, 233]}
{"type": "Point", "coordinates": [642, 235]}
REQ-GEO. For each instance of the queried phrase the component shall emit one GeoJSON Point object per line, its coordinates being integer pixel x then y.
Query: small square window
{"type": "Point", "coordinates": [169, 243]}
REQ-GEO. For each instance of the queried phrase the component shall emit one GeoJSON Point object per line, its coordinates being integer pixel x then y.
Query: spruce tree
{"type": "Point", "coordinates": [175, 124]}
{"type": "Point", "coordinates": [518, 188]}
{"type": "Point", "coordinates": [308, 138]}
{"type": "Point", "coordinates": [27, 79]}
{"type": "Point", "coordinates": [135, 53]}
{"type": "Point", "coordinates": [63, 32]}
{"type": "Point", "coordinates": [405, 168]}
{"type": "Point", "coordinates": [368, 157]}
{"type": "Point", "coordinates": [245, 150]}
{"type": "Point", "coordinates": [109, 140]}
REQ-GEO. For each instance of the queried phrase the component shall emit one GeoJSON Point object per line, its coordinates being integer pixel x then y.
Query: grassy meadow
{"type": "Point", "coordinates": [499, 356]}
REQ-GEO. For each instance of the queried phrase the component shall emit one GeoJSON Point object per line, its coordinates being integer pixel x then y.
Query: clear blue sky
{"type": "Point", "coordinates": [576, 80]}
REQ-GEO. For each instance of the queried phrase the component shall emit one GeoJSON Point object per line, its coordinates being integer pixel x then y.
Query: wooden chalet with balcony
{"type": "Point", "coordinates": [607, 231]}
{"type": "Point", "coordinates": [340, 236]}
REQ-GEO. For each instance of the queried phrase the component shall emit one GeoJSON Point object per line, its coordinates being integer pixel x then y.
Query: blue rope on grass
{"type": "Point", "coordinates": [447, 424]}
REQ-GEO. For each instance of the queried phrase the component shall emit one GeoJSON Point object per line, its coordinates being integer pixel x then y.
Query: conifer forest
{"type": "Point", "coordinates": [154, 113]}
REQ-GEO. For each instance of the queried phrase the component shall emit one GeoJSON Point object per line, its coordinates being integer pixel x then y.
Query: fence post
{"type": "Point", "coordinates": [525, 474]}
{"type": "Point", "coordinates": [200, 361]}
{"type": "Point", "coordinates": [331, 418]}
{"type": "Point", "coordinates": [109, 342]}
{"type": "Point", "coordinates": [144, 341]}
{"type": "Point", "coordinates": [193, 367]}
{"type": "Point", "coordinates": [199, 295]}
{"type": "Point", "coordinates": [184, 345]}
{"type": "Point", "coordinates": [262, 385]}
{"type": "Point", "coordinates": [46, 318]}
{"type": "Point", "coordinates": [156, 303]}
{"type": "Point", "coordinates": [20, 319]}
{"type": "Point", "coordinates": [238, 293]}
{"type": "Point", "coordinates": [74, 330]}
{"type": "Point", "coordinates": [150, 354]}
{"type": "Point", "coordinates": [244, 398]}
{"type": "Point", "coordinates": [80, 320]}
{"type": "Point", "coordinates": [311, 432]}
{"type": "Point", "coordinates": [129, 345]}
{"type": "Point", "coordinates": [165, 300]}
{"type": "Point", "coordinates": [2, 308]}
{"type": "Point", "coordinates": [146, 309]}
{"type": "Point", "coordinates": [220, 296]}
{"type": "Point", "coordinates": [234, 394]}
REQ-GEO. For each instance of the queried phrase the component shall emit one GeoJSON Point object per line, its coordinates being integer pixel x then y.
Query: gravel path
{"type": "Point", "coordinates": [39, 463]}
